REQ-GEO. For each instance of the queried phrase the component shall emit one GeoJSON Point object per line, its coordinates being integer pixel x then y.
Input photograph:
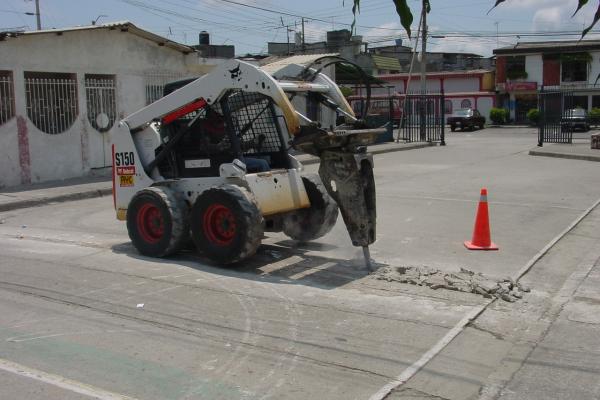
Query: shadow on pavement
{"type": "Point", "coordinates": [285, 262]}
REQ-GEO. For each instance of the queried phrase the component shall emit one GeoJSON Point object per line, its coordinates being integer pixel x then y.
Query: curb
{"type": "Point", "coordinates": [582, 157]}
{"type": "Point", "coordinates": [89, 194]}
{"type": "Point", "coordinates": [93, 193]}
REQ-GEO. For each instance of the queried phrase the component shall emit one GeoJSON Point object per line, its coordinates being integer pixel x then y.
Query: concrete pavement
{"type": "Point", "coordinates": [84, 188]}
{"type": "Point", "coordinates": [308, 321]}
{"type": "Point", "coordinates": [544, 347]}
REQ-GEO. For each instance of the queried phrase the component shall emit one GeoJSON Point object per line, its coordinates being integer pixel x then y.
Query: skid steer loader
{"type": "Point", "coordinates": [210, 162]}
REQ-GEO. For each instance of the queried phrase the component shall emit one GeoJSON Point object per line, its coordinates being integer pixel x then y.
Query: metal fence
{"type": "Point", "coordinates": [51, 103]}
{"type": "Point", "coordinates": [100, 94]}
{"type": "Point", "coordinates": [556, 117]}
{"type": "Point", "coordinates": [423, 118]}
{"type": "Point", "coordinates": [7, 97]}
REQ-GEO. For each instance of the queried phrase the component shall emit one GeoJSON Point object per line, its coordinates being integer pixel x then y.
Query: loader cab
{"type": "Point", "coordinates": [242, 125]}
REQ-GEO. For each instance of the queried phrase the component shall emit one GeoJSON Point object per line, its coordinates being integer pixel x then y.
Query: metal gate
{"type": "Point", "coordinates": [556, 109]}
{"type": "Point", "coordinates": [423, 118]}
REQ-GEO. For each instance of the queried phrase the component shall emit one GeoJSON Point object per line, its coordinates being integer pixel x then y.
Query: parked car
{"type": "Point", "coordinates": [466, 118]}
{"type": "Point", "coordinates": [577, 118]}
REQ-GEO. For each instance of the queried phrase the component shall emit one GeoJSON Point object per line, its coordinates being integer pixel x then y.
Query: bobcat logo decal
{"type": "Point", "coordinates": [236, 73]}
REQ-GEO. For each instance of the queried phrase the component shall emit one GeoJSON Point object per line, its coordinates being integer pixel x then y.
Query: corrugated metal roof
{"type": "Point", "coordinates": [122, 25]}
{"type": "Point", "coordinates": [383, 62]}
{"type": "Point", "coordinates": [303, 59]}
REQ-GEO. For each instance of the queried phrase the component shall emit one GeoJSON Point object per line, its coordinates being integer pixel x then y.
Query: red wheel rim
{"type": "Point", "coordinates": [219, 225]}
{"type": "Point", "coordinates": [151, 223]}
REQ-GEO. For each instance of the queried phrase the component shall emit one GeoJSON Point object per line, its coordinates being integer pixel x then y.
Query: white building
{"type": "Point", "coordinates": [525, 68]}
{"type": "Point", "coordinates": [62, 90]}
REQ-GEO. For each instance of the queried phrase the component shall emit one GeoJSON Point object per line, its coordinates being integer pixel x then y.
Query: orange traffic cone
{"type": "Point", "coordinates": [481, 232]}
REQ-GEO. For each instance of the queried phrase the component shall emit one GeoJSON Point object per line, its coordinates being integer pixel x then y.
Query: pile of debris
{"type": "Point", "coordinates": [463, 281]}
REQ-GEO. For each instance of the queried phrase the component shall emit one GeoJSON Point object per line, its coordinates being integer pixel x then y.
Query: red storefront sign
{"type": "Point", "coordinates": [520, 86]}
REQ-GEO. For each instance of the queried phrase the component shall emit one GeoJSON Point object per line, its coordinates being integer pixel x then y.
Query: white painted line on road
{"type": "Point", "coordinates": [60, 381]}
{"type": "Point", "coordinates": [460, 326]}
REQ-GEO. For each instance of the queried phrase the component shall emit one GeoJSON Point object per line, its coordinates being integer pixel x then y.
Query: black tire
{"type": "Point", "coordinates": [315, 221]}
{"type": "Point", "coordinates": [452, 128]}
{"type": "Point", "coordinates": [157, 221]}
{"type": "Point", "coordinates": [226, 223]}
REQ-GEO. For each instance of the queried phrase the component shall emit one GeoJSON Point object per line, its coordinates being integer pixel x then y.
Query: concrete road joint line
{"type": "Point", "coordinates": [61, 382]}
{"type": "Point", "coordinates": [409, 372]}
{"type": "Point", "coordinates": [551, 244]}
{"type": "Point", "coordinates": [493, 390]}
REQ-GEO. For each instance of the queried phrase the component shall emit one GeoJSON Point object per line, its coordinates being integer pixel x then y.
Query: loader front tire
{"type": "Point", "coordinates": [311, 223]}
{"type": "Point", "coordinates": [157, 221]}
{"type": "Point", "coordinates": [226, 223]}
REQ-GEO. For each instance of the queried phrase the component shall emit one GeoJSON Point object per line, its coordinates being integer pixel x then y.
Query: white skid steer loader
{"type": "Point", "coordinates": [209, 161]}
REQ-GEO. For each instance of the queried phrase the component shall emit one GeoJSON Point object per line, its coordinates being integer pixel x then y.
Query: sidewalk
{"type": "Point", "coordinates": [84, 188]}
{"type": "Point", "coordinates": [575, 151]}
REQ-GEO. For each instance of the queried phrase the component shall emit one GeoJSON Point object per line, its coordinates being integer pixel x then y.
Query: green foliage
{"type": "Point", "coordinates": [595, 113]}
{"type": "Point", "coordinates": [594, 116]}
{"type": "Point", "coordinates": [346, 91]}
{"type": "Point", "coordinates": [498, 115]}
{"type": "Point", "coordinates": [406, 17]}
{"type": "Point", "coordinates": [533, 116]}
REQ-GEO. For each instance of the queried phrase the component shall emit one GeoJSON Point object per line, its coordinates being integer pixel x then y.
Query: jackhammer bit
{"type": "Point", "coordinates": [346, 170]}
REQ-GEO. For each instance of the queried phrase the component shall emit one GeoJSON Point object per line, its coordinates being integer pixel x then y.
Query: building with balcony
{"type": "Point", "coordinates": [526, 68]}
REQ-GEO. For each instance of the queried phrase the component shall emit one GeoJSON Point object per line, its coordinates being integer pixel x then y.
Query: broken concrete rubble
{"type": "Point", "coordinates": [464, 281]}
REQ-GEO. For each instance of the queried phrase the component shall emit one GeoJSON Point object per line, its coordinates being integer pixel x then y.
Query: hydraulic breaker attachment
{"type": "Point", "coordinates": [347, 172]}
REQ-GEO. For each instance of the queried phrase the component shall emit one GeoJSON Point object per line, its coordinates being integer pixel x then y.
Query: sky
{"type": "Point", "coordinates": [454, 25]}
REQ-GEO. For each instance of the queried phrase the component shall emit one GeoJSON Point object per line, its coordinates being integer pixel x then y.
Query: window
{"type": "Point", "coordinates": [7, 97]}
{"type": "Point", "coordinates": [101, 101]}
{"type": "Point", "coordinates": [574, 68]}
{"type": "Point", "coordinates": [466, 103]}
{"type": "Point", "coordinates": [51, 100]}
{"type": "Point", "coordinates": [515, 68]}
{"type": "Point", "coordinates": [595, 101]}
{"type": "Point", "coordinates": [448, 107]}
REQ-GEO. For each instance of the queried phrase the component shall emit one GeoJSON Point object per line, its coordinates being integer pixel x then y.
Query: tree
{"type": "Point", "coordinates": [406, 16]}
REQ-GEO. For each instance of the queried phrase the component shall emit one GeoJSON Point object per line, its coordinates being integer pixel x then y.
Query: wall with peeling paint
{"type": "Point", "coordinates": [28, 155]}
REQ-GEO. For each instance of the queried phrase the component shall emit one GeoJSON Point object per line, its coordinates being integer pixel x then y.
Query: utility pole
{"type": "Point", "coordinates": [423, 102]}
{"type": "Point", "coordinates": [424, 49]}
{"type": "Point", "coordinates": [497, 33]}
{"type": "Point", "coordinates": [37, 15]}
{"type": "Point", "coordinates": [303, 42]}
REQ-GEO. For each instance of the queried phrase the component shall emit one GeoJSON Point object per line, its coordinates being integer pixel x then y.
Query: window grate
{"type": "Point", "coordinates": [51, 102]}
{"type": "Point", "coordinates": [7, 97]}
{"type": "Point", "coordinates": [155, 84]}
{"type": "Point", "coordinates": [100, 94]}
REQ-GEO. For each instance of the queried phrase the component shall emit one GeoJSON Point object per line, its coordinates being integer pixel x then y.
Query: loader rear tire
{"type": "Point", "coordinates": [226, 223]}
{"type": "Point", "coordinates": [316, 221]}
{"type": "Point", "coordinates": [157, 221]}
